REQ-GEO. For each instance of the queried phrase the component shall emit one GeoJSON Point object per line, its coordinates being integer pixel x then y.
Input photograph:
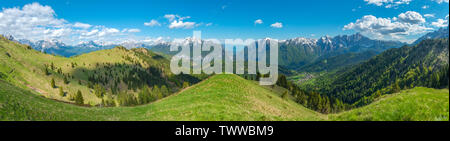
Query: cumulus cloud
{"type": "Point", "coordinates": [170, 17]}
{"type": "Point", "coordinates": [132, 30]}
{"type": "Point", "coordinates": [181, 24]}
{"type": "Point", "coordinates": [90, 33]}
{"type": "Point", "coordinates": [176, 21]}
{"type": "Point", "coordinates": [38, 22]}
{"type": "Point", "coordinates": [388, 3]}
{"type": "Point", "coordinates": [99, 32]}
{"type": "Point", "coordinates": [277, 25]}
{"type": "Point", "coordinates": [31, 21]}
{"type": "Point", "coordinates": [408, 23]}
{"type": "Point", "coordinates": [81, 25]}
{"type": "Point", "coordinates": [152, 23]}
{"type": "Point", "coordinates": [441, 22]}
{"type": "Point", "coordinates": [425, 7]}
{"type": "Point", "coordinates": [429, 15]}
{"type": "Point", "coordinates": [411, 17]}
{"type": "Point", "coordinates": [258, 21]}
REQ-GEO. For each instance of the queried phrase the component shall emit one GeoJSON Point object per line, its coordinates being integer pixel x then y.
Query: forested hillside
{"type": "Point", "coordinates": [337, 62]}
{"type": "Point", "coordinates": [425, 64]}
{"type": "Point", "coordinates": [110, 77]}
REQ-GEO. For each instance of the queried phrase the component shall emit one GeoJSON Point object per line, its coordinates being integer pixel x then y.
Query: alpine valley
{"type": "Point", "coordinates": [346, 77]}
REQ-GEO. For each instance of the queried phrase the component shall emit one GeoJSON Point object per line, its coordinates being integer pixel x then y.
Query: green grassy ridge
{"type": "Point", "coordinates": [246, 101]}
{"type": "Point", "coordinates": [221, 97]}
{"type": "Point", "coordinates": [24, 67]}
{"type": "Point", "coordinates": [417, 104]}
{"type": "Point", "coordinates": [225, 97]}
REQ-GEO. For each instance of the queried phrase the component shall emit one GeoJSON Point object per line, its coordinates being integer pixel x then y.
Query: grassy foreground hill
{"type": "Point", "coordinates": [221, 97]}
{"type": "Point", "coordinates": [224, 97]}
{"type": "Point", "coordinates": [418, 104]}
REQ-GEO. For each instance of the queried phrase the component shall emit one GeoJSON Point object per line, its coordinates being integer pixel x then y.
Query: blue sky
{"type": "Point", "coordinates": [236, 18]}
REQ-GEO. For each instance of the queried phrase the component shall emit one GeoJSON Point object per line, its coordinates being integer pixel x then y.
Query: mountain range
{"type": "Point", "coordinates": [295, 53]}
{"type": "Point", "coordinates": [57, 47]}
{"type": "Point", "coordinates": [324, 45]}
{"type": "Point", "coordinates": [122, 77]}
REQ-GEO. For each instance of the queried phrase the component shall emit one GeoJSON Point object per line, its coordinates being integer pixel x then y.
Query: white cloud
{"type": "Point", "coordinates": [208, 24]}
{"type": "Point", "coordinates": [38, 22]}
{"type": "Point", "coordinates": [57, 33]}
{"type": "Point", "coordinates": [170, 17]}
{"type": "Point", "coordinates": [82, 25]}
{"type": "Point", "coordinates": [100, 33]}
{"type": "Point", "coordinates": [425, 7]}
{"type": "Point", "coordinates": [429, 15]}
{"type": "Point", "coordinates": [441, 1]}
{"type": "Point", "coordinates": [408, 23]}
{"type": "Point", "coordinates": [388, 3]}
{"type": "Point", "coordinates": [441, 22]}
{"type": "Point", "coordinates": [181, 24]}
{"type": "Point", "coordinates": [258, 21]}
{"type": "Point", "coordinates": [411, 17]}
{"type": "Point", "coordinates": [152, 23]}
{"type": "Point", "coordinates": [90, 33]}
{"type": "Point", "coordinates": [177, 21]}
{"type": "Point", "coordinates": [277, 25]}
{"type": "Point", "coordinates": [32, 21]}
{"type": "Point", "coordinates": [131, 30]}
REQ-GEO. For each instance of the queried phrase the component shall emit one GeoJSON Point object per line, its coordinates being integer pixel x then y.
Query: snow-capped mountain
{"type": "Point", "coordinates": [89, 44]}
{"type": "Point", "coordinates": [300, 51]}
{"type": "Point", "coordinates": [300, 41]}
{"type": "Point", "coordinates": [43, 45]}
{"type": "Point", "coordinates": [49, 44]}
{"type": "Point", "coordinates": [291, 48]}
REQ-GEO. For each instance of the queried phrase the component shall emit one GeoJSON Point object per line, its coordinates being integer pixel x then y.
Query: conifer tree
{"type": "Point", "coordinates": [52, 83]}
{"type": "Point", "coordinates": [185, 84]}
{"type": "Point", "coordinates": [61, 92]}
{"type": "Point", "coordinates": [79, 98]}
{"type": "Point", "coordinates": [164, 91]}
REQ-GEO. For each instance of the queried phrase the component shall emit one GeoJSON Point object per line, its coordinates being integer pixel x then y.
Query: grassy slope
{"type": "Point", "coordinates": [215, 99]}
{"type": "Point", "coordinates": [25, 68]}
{"type": "Point", "coordinates": [418, 104]}
{"type": "Point", "coordinates": [221, 97]}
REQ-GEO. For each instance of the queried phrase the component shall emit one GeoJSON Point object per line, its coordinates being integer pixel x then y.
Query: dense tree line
{"type": "Point", "coordinates": [146, 95]}
{"type": "Point", "coordinates": [390, 72]}
{"type": "Point", "coordinates": [139, 80]}
{"type": "Point", "coordinates": [393, 70]}
{"type": "Point", "coordinates": [310, 99]}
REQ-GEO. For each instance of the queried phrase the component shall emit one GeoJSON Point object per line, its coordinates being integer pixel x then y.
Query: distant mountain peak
{"type": "Point", "coordinates": [300, 41]}
{"type": "Point", "coordinates": [440, 33]}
